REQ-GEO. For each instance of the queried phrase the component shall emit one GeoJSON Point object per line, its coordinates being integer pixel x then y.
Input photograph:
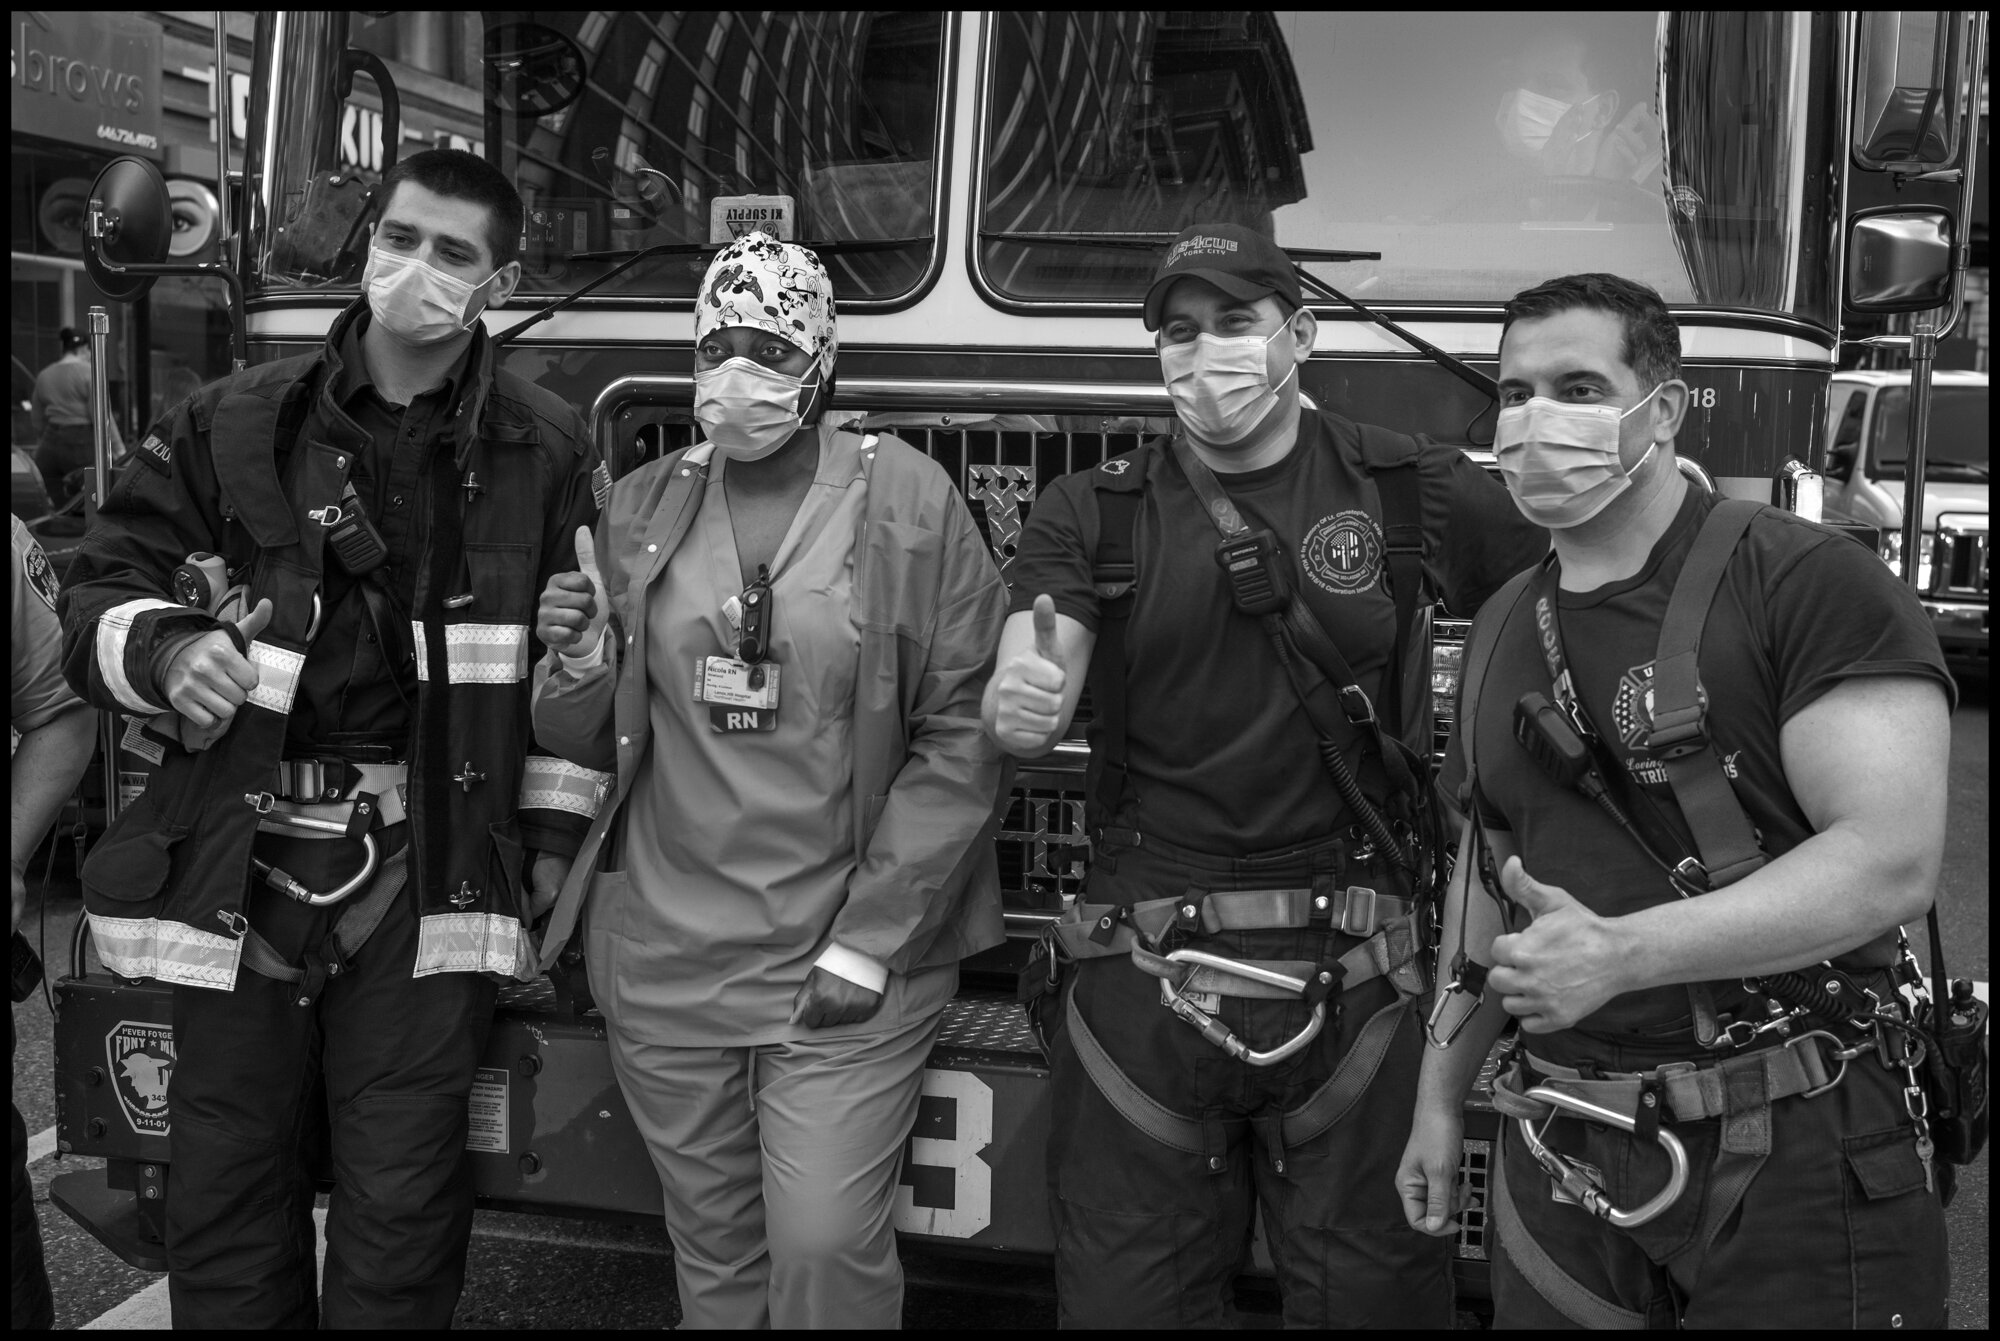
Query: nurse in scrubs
{"type": "Point", "coordinates": [772, 658]}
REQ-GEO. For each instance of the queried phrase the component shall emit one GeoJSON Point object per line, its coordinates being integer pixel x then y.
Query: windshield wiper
{"type": "Point", "coordinates": [1457, 367]}
{"type": "Point", "coordinates": [632, 258]}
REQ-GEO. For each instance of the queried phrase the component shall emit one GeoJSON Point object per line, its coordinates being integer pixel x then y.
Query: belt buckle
{"type": "Point", "coordinates": [1363, 927]}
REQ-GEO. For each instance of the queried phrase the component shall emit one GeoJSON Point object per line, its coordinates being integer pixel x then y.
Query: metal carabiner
{"type": "Point", "coordinates": [1218, 1033]}
{"type": "Point", "coordinates": [1587, 1194]}
{"type": "Point", "coordinates": [292, 889]}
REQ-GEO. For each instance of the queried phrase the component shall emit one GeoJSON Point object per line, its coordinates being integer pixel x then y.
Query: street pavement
{"type": "Point", "coordinates": [540, 1272]}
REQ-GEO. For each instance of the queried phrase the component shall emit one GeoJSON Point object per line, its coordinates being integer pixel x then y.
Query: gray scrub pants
{"type": "Point", "coordinates": [778, 1165]}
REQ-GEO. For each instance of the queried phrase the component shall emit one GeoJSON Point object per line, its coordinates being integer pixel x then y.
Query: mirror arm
{"type": "Point", "coordinates": [238, 352]}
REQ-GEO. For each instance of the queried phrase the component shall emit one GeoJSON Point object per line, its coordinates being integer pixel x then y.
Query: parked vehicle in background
{"type": "Point", "coordinates": [1867, 427]}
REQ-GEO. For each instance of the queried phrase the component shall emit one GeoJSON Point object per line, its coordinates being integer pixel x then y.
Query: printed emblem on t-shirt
{"type": "Point", "coordinates": [1632, 718]}
{"type": "Point", "coordinates": [1343, 553]}
{"type": "Point", "coordinates": [1117, 465]}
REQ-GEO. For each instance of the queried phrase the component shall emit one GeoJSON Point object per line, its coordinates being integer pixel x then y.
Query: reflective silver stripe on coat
{"type": "Point", "coordinates": [478, 653]}
{"type": "Point", "coordinates": [558, 784]}
{"type": "Point", "coordinates": [470, 943]}
{"type": "Point", "coordinates": [277, 677]}
{"type": "Point", "coordinates": [157, 947]}
{"type": "Point", "coordinates": [114, 626]}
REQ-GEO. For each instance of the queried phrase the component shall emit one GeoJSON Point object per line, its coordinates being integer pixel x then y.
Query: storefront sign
{"type": "Point", "coordinates": [88, 78]}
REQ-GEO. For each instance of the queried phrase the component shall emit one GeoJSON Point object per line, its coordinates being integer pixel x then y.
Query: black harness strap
{"type": "Point", "coordinates": [1722, 831]}
{"type": "Point", "coordinates": [1391, 459]}
{"type": "Point", "coordinates": [1115, 575]}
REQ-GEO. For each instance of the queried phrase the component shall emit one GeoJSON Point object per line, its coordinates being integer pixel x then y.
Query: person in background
{"type": "Point", "coordinates": [60, 411]}
{"type": "Point", "coordinates": [782, 660]}
{"type": "Point", "coordinates": [53, 729]}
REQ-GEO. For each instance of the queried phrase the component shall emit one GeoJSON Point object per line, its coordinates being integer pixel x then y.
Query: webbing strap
{"type": "Point", "coordinates": [1391, 459]}
{"type": "Point", "coordinates": [1722, 831]}
{"type": "Point", "coordinates": [357, 923]}
{"type": "Point", "coordinates": [1474, 661]}
{"type": "Point", "coordinates": [1563, 1292]}
{"type": "Point", "coordinates": [1330, 1102]}
{"type": "Point", "coordinates": [1114, 573]}
{"type": "Point", "coordinates": [1137, 1107]}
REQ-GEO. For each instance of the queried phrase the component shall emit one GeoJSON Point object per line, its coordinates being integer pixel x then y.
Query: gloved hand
{"type": "Point", "coordinates": [574, 608]}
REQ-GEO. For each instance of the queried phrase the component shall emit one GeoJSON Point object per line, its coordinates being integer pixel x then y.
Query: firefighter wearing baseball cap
{"type": "Point", "coordinates": [1229, 1007]}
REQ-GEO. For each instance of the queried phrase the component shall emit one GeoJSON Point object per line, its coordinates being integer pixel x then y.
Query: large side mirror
{"type": "Point", "coordinates": [1899, 259]}
{"type": "Point", "coordinates": [532, 70]}
{"type": "Point", "coordinates": [1907, 76]}
{"type": "Point", "coordinates": [129, 221]}
{"type": "Point", "coordinates": [1840, 464]}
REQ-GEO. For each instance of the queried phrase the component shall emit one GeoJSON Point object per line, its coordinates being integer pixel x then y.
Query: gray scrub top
{"type": "Point", "coordinates": [739, 846]}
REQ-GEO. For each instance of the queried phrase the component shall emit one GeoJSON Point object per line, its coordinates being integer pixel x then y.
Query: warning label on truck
{"type": "Point", "coordinates": [486, 1112]}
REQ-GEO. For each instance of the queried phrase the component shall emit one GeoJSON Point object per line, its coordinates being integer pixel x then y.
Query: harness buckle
{"type": "Point", "coordinates": [1572, 1180]}
{"type": "Point", "coordinates": [1359, 896]}
{"type": "Point", "coordinates": [1840, 1054]}
{"type": "Point", "coordinates": [1355, 704]}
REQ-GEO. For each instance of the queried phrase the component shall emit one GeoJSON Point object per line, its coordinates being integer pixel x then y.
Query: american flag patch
{"type": "Point", "coordinates": [600, 484]}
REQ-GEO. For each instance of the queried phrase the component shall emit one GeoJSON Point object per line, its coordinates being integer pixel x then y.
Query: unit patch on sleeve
{"type": "Point", "coordinates": [155, 452]}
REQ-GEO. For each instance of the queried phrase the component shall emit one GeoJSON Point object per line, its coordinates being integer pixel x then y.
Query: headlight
{"type": "Point", "coordinates": [1892, 554]}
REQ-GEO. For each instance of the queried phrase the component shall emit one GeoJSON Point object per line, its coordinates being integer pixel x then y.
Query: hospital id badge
{"type": "Point", "coordinates": [740, 696]}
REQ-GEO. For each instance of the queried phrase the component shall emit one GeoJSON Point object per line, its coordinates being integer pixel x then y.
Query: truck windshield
{"type": "Point", "coordinates": [1478, 152]}
{"type": "Point", "coordinates": [624, 129]}
{"type": "Point", "coordinates": [1956, 447]}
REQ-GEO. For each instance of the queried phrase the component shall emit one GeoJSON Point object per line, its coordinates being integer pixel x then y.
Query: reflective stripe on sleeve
{"type": "Point", "coordinates": [470, 943]}
{"type": "Point", "coordinates": [478, 653]}
{"type": "Point", "coordinates": [277, 677]}
{"type": "Point", "coordinates": [558, 784]}
{"type": "Point", "coordinates": [114, 629]}
{"type": "Point", "coordinates": [158, 947]}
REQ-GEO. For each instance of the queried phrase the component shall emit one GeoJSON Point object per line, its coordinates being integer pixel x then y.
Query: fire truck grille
{"type": "Point", "coordinates": [1961, 563]}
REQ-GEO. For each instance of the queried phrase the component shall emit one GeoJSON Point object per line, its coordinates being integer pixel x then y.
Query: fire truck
{"type": "Point", "coordinates": [990, 191]}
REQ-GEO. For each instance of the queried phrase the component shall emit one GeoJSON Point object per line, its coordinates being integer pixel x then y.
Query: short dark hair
{"type": "Point", "coordinates": [1652, 340]}
{"type": "Point", "coordinates": [464, 176]}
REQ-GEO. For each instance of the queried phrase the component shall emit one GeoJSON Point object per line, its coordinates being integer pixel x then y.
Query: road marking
{"type": "Point", "coordinates": [149, 1310]}
{"type": "Point", "coordinates": [41, 1145]}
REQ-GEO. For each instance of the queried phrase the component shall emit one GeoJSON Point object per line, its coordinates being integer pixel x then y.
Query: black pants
{"type": "Point", "coordinates": [1835, 1232]}
{"type": "Point", "coordinates": [397, 1056]}
{"type": "Point", "coordinates": [29, 1302]}
{"type": "Point", "coordinates": [1151, 1236]}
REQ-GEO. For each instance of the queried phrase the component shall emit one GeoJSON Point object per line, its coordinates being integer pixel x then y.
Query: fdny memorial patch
{"type": "Point", "coordinates": [141, 1061]}
{"type": "Point", "coordinates": [1343, 553]}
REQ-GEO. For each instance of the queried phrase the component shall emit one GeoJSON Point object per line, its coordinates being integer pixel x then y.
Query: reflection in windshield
{"type": "Point", "coordinates": [632, 129]}
{"type": "Point", "coordinates": [1957, 439]}
{"type": "Point", "coordinates": [1479, 153]}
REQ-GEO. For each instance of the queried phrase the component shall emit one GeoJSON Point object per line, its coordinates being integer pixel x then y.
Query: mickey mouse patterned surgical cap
{"type": "Point", "coordinates": [772, 286]}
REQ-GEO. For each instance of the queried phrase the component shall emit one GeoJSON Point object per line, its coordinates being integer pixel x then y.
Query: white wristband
{"type": "Point", "coordinates": [854, 966]}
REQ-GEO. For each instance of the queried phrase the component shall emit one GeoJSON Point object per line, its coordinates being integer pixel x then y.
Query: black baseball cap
{"type": "Point", "coordinates": [1240, 261]}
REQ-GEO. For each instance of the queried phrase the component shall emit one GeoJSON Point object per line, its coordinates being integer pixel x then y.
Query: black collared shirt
{"type": "Point", "coordinates": [360, 676]}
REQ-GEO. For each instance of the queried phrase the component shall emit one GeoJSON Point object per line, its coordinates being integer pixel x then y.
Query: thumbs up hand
{"type": "Point", "coordinates": [574, 608]}
{"type": "Point", "coordinates": [208, 680]}
{"type": "Point", "coordinates": [1566, 964]}
{"type": "Point", "coordinates": [1028, 689]}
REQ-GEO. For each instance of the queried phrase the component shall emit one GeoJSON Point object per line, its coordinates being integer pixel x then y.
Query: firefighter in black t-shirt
{"type": "Point", "coordinates": [1220, 827]}
{"type": "Point", "coordinates": [1825, 701]}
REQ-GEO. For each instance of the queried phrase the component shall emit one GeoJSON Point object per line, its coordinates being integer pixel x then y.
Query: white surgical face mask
{"type": "Point", "coordinates": [1561, 462]}
{"type": "Point", "coordinates": [1528, 118]}
{"type": "Point", "coordinates": [416, 302]}
{"type": "Point", "coordinates": [749, 410]}
{"type": "Point", "coordinates": [1221, 386]}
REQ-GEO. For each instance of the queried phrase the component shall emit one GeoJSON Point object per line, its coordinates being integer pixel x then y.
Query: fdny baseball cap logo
{"type": "Point", "coordinates": [1343, 553]}
{"type": "Point", "coordinates": [1199, 246]}
{"type": "Point", "coordinates": [141, 1058]}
